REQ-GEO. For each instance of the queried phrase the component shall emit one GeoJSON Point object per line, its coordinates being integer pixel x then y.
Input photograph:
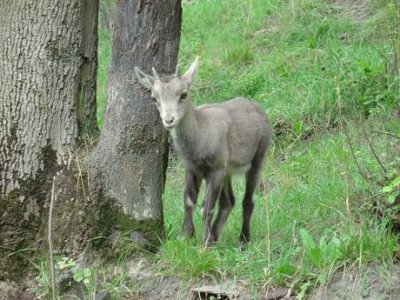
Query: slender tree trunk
{"type": "Point", "coordinates": [87, 116]}
{"type": "Point", "coordinates": [47, 99]}
{"type": "Point", "coordinates": [130, 159]}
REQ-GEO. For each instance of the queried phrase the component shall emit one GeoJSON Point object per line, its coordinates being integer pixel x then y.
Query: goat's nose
{"type": "Point", "coordinates": [169, 120]}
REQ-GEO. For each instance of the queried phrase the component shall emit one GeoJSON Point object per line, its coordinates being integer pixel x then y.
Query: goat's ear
{"type": "Point", "coordinates": [189, 75]}
{"type": "Point", "coordinates": [145, 79]}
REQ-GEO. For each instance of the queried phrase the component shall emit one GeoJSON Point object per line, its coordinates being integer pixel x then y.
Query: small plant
{"type": "Point", "coordinates": [283, 271]}
{"type": "Point", "coordinates": [43, 288]}
{"type": "Point", "coordinates": [80, 275]}
{"type": "Point", "coordinates": [323, 256]}
{"type": "Point", "coordinates": [379, 171]}
{"type": "Point", "coordinates": [67, 274]}
{"type": "Point", "coordinates": [392, 191]}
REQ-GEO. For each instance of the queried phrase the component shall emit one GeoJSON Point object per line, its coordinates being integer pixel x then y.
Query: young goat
{"type": "Point", "coordinates": [215, 142]}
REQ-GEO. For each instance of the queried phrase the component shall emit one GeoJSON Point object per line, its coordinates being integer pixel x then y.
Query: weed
{"type": "Point", "coordinates": [187, 259]}
{"type": "Point", "coordinates": [82, 282]}
{"type": "Point", "coordinates": [392, 190]}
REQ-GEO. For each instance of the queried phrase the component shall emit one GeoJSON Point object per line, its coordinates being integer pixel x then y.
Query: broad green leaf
{"type": "Point", "coordinates": [286, 269]}
{"type": "Point", "coordinates": [307, 239]}
{"type": "Point", "coordinates": [387, 189]}
{"type": "Point", "coordinates": [392, 197]}
{"type": "Point", "coordinates": [392, 185]}
{"type": "Point", "coordinates": [78, 275]}
{"type": "Point", "coordinates": [315, 255]}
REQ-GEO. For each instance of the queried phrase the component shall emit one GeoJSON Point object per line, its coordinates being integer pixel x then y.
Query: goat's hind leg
{"type": "Point", "coordinates": [192, 186]}
{"type": "Point", "coordinates": [252, 177]}
{"type": "Point", "coordinates": [226, 203]}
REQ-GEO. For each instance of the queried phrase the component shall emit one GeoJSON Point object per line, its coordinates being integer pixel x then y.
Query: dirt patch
{"type": "Point", "coordinates": [372, 282]}
{"type": "Point", "coordinates": [357, 10]}
{"type": "Point", "coordinates": [155, 286]}
{"type": "Point", "coordinates": [9, 291]}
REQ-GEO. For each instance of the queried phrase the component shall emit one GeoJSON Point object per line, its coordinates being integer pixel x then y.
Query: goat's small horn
{"type": "Point", "coordinates": [177, 71]}
{"type": "Point", "coordinates": [155, 74]}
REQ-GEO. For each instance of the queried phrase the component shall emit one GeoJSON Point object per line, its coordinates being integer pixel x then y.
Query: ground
{"type": "Point", "coordinates": [370, 283]}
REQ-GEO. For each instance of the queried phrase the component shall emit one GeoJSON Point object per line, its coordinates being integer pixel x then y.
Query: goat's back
{"type": "Point", "coordinates": [247, 128]}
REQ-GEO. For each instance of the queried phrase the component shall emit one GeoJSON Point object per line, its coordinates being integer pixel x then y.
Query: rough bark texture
{"type": "Point", "coordinates": [87, 117]}
{"type": "Point", "coordinates": [39, 63]}
{"type": "Point", "coordinates": [129, 161]}
{"type": "Point", "coordinates": [44, 63]}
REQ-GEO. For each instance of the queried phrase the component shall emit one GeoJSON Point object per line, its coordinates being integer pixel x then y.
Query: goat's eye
{"type": "Point", "coordinates": [183, 96]}
{"type": "Point", "coordinates": [154, 99]}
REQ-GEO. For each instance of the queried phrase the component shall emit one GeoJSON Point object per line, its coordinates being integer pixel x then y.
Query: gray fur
{"type": "Point", "coordinates": [215, 142]}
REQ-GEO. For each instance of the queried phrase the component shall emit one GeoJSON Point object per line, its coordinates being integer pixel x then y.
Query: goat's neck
{"type": "Point", "coordinates": [187, 133]}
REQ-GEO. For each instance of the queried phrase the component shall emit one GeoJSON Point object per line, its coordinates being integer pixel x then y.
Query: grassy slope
{"type": "Point", "coordinates": [315, 71]}
{"type": "Point", "coordinates": [312, 69]}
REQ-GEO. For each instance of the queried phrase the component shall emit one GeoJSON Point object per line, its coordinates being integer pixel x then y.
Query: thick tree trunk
{"type": "Point", "coordinates": [129, 162]}
{"type": "Point", "coordinates": [47, 94]}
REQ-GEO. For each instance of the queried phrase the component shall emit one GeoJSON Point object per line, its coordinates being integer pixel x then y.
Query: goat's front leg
{"type": "Point", "coordinates": [192, 186]}
{"type": "Point", "coordinates": [214, 183]}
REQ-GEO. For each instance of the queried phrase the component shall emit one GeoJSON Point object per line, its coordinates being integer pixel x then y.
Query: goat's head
{"type": "Point", "coordinates": [170, 93]}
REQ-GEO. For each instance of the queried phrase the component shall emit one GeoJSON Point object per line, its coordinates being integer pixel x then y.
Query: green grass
{"type": "Point", "coordinates": [84, 281]}
{"type": "Point", "coordinates": [320, 75]}
{"type": "Point", "coordinates": [313, 191]}
{"type": "Point", "coordinates": [296, 61]}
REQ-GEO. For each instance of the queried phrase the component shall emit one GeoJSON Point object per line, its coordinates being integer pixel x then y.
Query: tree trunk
{"type": "Point", "coordinates": [87, 116]}
{"type": "Point", "coordinates": [47, 94]}
{"type": "Point", "coordinates": [129, 161]}
{"type": "Point", "coordinates": [47, 105]}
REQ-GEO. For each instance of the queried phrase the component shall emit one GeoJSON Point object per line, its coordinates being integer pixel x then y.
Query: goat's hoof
{"type": "Point", "coordinates": [242, 246]}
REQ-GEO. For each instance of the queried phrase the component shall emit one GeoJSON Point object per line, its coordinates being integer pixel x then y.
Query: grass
{"type": "Point", "coordinates": [314, 68]}
{"type": "Point", "coordinates": [85, 282]}
{"type": "Point", "coordinates": [310, 195]}
{"type": "Point", "coordinates": [321, 75]}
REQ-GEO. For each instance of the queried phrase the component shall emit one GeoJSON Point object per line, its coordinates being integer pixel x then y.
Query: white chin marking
{"type": "Point", "coordinates": [169, 127]}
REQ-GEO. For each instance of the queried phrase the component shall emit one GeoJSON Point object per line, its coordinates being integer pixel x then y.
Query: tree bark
{"type": "Point", "coordinates": [129, 161]}
{"type": "Point", "coordinates": [87, 116]}
{"type": "Point", "coordinates": [47, 106]}
{"type": "Point", "coordinates": [47, 94]}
